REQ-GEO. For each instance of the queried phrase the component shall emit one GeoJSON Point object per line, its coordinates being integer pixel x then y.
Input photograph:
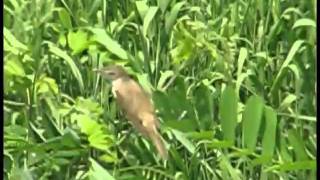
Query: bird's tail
{"type": "Point", "coordinates": [158, 142]}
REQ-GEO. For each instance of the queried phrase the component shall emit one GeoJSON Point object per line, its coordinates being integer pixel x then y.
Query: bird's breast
{"type": "Point", "coordinates": [116, 86]}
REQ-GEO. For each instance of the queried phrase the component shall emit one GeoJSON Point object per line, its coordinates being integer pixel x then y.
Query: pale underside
{"type": "Point", "coordinates": [139, 110]}
{"type": "Point", "coordinates": [135, 104]}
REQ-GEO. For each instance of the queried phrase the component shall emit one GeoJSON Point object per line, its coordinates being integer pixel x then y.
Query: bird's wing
{"type": "Point", "coordinates": [135, 103]}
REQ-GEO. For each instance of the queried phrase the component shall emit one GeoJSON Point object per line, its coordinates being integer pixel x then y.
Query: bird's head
{"type": "Point", "coordinates": [112, 72]}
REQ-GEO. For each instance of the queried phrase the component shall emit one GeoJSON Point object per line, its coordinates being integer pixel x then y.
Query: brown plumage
{"type": "Point", "coordinates": [136, 105]}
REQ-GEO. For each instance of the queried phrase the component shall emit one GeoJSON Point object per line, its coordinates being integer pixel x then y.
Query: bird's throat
{"type": "Point", "coordinates": [116, 84]}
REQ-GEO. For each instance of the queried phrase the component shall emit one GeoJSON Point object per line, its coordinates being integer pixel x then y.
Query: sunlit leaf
{"type": "Point", "coordinates": [97, 172]}
{"type": "Point", "coordinates": [78, 41]}
{"type": "Point", "coordinates": [101, 36]}
{"type": "Point", "coordinates": [228, 113]}
{"type": "Point", "coordinates": [252, 116]}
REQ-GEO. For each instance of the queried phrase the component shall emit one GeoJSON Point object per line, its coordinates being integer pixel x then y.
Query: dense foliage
{"type": "Point", "coordinates": [233, 83]}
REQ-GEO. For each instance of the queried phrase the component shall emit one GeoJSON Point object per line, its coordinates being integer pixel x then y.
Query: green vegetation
{"type": "Point", "coordinates": [233, 83]}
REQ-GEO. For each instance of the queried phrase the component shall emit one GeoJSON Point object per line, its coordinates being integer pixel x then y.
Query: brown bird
{"type": "Point", "coordinates": [135, 103]}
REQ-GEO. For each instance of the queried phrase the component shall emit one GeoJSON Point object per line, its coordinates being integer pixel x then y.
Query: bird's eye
{"type": "Point", "coordinates": [111, 73]}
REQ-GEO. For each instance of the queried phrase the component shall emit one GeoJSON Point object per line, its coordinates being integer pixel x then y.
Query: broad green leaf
{"type": "Point", "coordinates": [228, 113]}
{"type": "Point", "coordinates": [203, 102]}
{"type": "Point", "coordinates": [101, 36]}
{"type": "Point", "coordinates": [96, 136]}
{"type": "Point", "coordinates": [304, 22]}
{"type": "Point", "coordinates": [252, 116]}
{"type": "Point", "coordinates": [74, 69]}
{"type": "Point", "coordinates": [88, 106]}
{"type": "Point", "coordinates": [148, 18]}
{"type": "Point", "coordinates": [65, 18]}
{"type": "Point", "coordinates": [294, 49]}
{"type": "Point", "coordinates": [13, 41]}
{"type": "Point", "coordinates": [14, 67]}
{"type": "Point", "coordinates": [170, 21]}
{"type": "Point", "coordinates": [97, 172]}
{"type": "Point", "coordinates": [163, 4]}
{"type": "Point", "coordinates": [142, 8]}
{"type": "Point", "coordinates": [298, 145]}
{"type": "Point", "coordinates": [269, 137]}
{"type": "Point", "coordinates": [181, 137]}
{"type": "Point", "coordinates": [78, 41]}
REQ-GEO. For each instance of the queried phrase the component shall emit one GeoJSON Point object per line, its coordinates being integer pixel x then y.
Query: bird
{"type": "Point", "coordinates": [135, 103]}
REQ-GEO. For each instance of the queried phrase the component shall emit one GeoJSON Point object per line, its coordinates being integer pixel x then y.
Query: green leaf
{"type": "Point", "coordinates": [298, 145]}
{"type": "Point", "coordinates": [285, 156]}
{"type": "Point", "coordinates": [219, 144]}
{"type": "Point", "coordinates": [78, 41]}
{"type": "Point", "coordinates": [225, 164]}
{"type": "Point", "coordinates": [113, 46]}
{"type": "Point", "coordinates": [144, 82]}
{"type": "Point", "coordinates": [170, 21]}
{"type": "Point", "coordinates": [202, 135]}
{"type": "Point", "coordinates": [46, 84]}
{"type": "Point", "coordinates": [184, 125]}
{"type": "Point", "coordinates": [142, 8]}
{"type": "Point", "coordinates": [240, 77]}
{"type": "Point", "coordinates": [204, 106]}
{"type": "Point", "coordinates": [184, 141]}
{"type": "Point", "coordinates": [88, 106]}
{"type": "Point", "coordinates": [294, 49]}
{"type": "Point", "coordinates": [228, 113]}
{"type": "Point", "coordinates": [294, 166]}
{"type": "Point", "coordinates": [97, 172]}
{"type": "Point", "coordinates": [163, 77]}
{"type": "Point", "coordinates": [13, 41]}
{"type": "Point", "coordinates": [242, 57]}
{"type": "Point", "coordinates": [163, 4]}
{"type": "Point", "coordinates": [14, 67]}
{"type": "Point", "coordinates": [109, 158]}
{"type": "Point", "coordinates": [65, 18]}
{"type": "Point", "coordinates": [287, 101]}
{"type": "Point", "coordinates": [148, 18]}
{"type": "Point", "coordinates": [74, 69]}
{"type": "Point", "coordinates": [269, 137]}
{"type": "Point", "coordinates": [96, 136]}
{"type": "Point", "coordinates": [252, 116]}
{"type": "Point", "coordinates": [62, 40]}
{"type": "Point", "coordinates": [304, 22]}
